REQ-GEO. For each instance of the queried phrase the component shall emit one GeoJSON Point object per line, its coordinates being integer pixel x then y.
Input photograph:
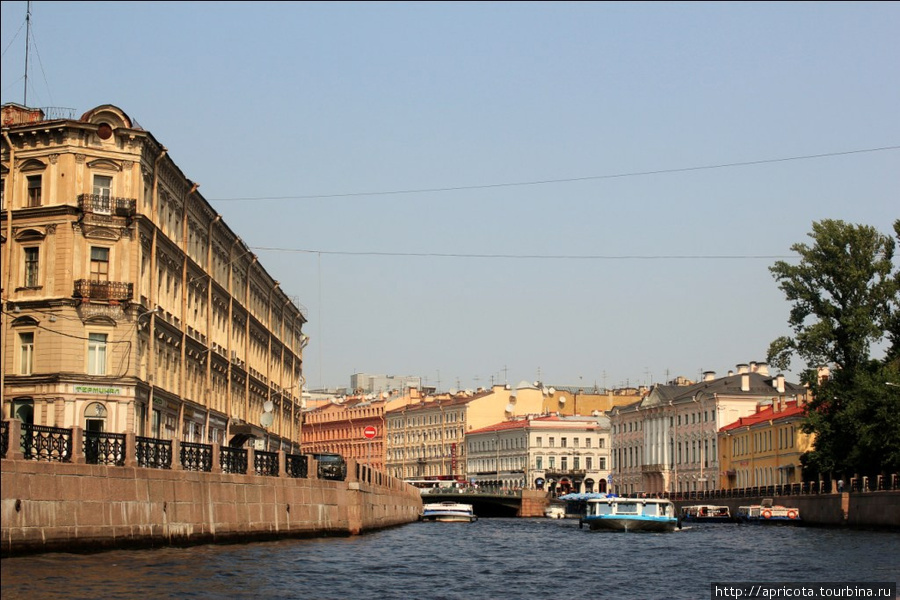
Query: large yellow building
{"type": "Point", "coordinates": [128, 304]}
{"type": "Point", "coordinates": [764, 448]}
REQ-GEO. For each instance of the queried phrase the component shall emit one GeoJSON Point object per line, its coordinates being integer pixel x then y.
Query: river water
{"type": "Point", "coordinates": [488, 559]}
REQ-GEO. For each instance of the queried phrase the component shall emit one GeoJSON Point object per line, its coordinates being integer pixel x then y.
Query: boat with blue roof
{"type": "Point", "coordinates": [630, 514]}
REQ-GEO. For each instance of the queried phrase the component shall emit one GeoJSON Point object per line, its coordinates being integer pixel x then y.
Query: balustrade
{"type": "Point", "coordinates": [153, 453]}
{"type": "Point", "coordinates": [233, 460]}
{"type": "Point", "coordinates": [265, 463]}
{"type": "Point", "coordinates": [101, 448]}
{"type": "Point", "coordinates": [40, 442]}
{"type": "Point", "coordinates": [196, 457]}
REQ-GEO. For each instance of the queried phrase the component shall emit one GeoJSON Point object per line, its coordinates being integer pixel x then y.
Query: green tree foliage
{"type": "Point", "coordinates": [844, 295]}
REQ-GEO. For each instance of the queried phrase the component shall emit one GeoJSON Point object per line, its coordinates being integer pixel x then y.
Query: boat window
{"type": "Point", "coordinates": [627, 508]}
{"type": "Point", "coordinates": [602, 508]}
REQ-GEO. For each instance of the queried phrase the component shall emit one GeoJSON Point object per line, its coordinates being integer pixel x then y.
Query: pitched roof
{"type": "Point", "coordinates": [765, 414]}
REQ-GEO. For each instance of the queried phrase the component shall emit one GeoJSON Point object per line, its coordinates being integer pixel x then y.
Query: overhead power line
{"type": "Point", "coordinates": [540, 256]}
{"type": "Point", "coordinates": [561, 180]}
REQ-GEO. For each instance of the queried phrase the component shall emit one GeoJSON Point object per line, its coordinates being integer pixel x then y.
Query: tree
{"type": "Point", "coordinates": [844, 292]}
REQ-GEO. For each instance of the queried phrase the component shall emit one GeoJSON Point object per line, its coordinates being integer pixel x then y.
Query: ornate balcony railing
{"type": "Point", "coordinates": [102, 448]}
{"type": "Point", "coordinates": [196, 457]}
{"type": "Point", "coordinates": [265, 463]}
{"type": "Point", "coordinates": [153, 453]}
{"type": "Point", "coordinates": [96, 204]}
{"type": "Point", "coordinates": [103, 290]}
{"type": "Point", "coordinates": [40, 442]}
{"type": "Point", "coordinates": [296, 466]}
{"type": "Point", "coordinates": [233, 460]}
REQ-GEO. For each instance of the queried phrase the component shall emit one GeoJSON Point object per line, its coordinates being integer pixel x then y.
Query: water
{"type": "Point", "coordinates": [491, 558]}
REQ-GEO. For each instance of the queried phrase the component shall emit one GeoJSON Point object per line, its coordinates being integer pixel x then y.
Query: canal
{"type": "Point", "coordinates": [491, 558]}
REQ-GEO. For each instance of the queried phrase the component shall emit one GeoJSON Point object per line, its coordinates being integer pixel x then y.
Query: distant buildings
{"type": "Point", "coordinates": [668, 441]}
{"type": "Point", "coordinates": [128, 304]}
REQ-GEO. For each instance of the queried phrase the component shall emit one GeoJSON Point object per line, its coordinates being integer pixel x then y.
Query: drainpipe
{"type": "Point", "coordinates": [209, 331]}
{"type": "Point", "coordinates": [151, 326]}
{"type": "Point", "coordinates": [10, 186]}
{"type": "Point", "coordinates": [179, 426]}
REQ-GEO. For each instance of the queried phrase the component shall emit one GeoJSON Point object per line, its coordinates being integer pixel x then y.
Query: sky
{"type": "Point", "coordinates": [474, 193]}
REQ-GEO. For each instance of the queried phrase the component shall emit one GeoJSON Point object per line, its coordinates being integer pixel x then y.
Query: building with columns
{"type": "Point", "coordinates": [667, 442]}
{"type": "Point", "coordinates": [129, 305]}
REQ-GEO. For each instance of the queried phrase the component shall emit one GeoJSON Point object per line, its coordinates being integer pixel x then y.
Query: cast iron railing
{"type": "Point", "coordinates": [265, 463]}
{"type": "Point", "coordinates": [233, 460]}
{"type": "Point", "coordinates": [296, 465]}
{"type": "Point", "coordinates": [101, 448]}
{"type": "Point", "coordinates": [103, 290]}
{"type": "Point", "coordinates": [97, 204]}
{"type": "Point", "coordinates": [153, 453]}
{"type": "Point", "coordinates": [196, 457]}
{"type": "Point", "coordinates": [40, 442]}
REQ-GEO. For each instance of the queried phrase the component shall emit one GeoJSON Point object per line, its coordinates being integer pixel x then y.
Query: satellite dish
{"type": "Point", "coordinates": [266, 419]}
{"type": "Point", "coordinates": [269, 406]}
{"type": "Point", "coordinates": [552, 390]}
{"type": "Point", "coordinates": [562, 399]}
{"type": "Point", "coordinates": [453, 391]}
{"type": "Point", "coordinates": [509, 408]}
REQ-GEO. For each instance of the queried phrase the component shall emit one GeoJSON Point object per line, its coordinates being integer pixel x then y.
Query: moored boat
{"type": "Point", "coordinates": [555, 511]}
{"type": "Point", "coordinates": [630, 514]}
{"type": "Point", "coordinates": [448, 512]}
{"type": "Point", "coordinates": [706, 513]}
{"type": "Point", "coordinates": [766, 512]}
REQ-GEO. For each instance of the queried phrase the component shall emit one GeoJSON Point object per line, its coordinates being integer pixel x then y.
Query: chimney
{"type": "Point", "coordinates": [709, 375]}
{"type": "Point", "coordinates": [824, 374]}
{"type": "Point", "coordinates": [745, 382]}
{"type": "Point", "coordinates": [779, 383]}
{"type": "Point", "coordinates": [743, 368]}
{"type": "Point", "coordinates": [762, 368]}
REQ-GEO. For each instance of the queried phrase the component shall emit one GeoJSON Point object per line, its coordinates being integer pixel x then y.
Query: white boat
{"type": "Point", "coordinates": [555, 511]}
{"type": "Point", "coordinates": [768, 513]}
{"type": "Point", "coordinates": [448, 512]}
{"type": "Point", "coordinates": [629, 514]}
{"type": "Point", "coordinates": [706, 513]}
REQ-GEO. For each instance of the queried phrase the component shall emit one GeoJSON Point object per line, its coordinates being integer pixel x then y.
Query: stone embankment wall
{"type": "Point", "coordinates": [865, 510]}
{"type": "Point", "coordinates": [53, 506]}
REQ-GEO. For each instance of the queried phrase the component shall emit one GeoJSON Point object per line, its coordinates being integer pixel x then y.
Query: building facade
{"type": "Point", "coordinates": [128, 304]}
{"type": "Point", "coordinates": [559, 454]}
{"type": "Point", "coordinates": [764, 448]}
{"type": "Point", "coordinates": [668, 441]}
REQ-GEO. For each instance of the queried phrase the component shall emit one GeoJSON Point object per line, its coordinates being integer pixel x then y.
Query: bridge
{"type": "Point", "coordinates": [493, 504]}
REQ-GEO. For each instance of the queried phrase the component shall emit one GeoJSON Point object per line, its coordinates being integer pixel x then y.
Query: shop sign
{"type": "Point", "coordinates": [97, 389]}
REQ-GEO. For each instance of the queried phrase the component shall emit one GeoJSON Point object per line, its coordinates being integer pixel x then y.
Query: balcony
{"type": "Point", "coordinates": [100, 206]}
{"type": "Point", "coordinates": [103, 290]}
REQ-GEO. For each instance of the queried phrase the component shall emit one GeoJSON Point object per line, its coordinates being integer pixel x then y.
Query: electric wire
{"type": "Point", "coordinates": [562, 180]}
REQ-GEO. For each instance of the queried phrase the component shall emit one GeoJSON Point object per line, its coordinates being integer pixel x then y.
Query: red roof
{"type": "Point", "coordinates": [791, 409]}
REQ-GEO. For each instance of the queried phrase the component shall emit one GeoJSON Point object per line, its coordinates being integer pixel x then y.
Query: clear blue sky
{"type": "Point", "coordinates": [617, 260]}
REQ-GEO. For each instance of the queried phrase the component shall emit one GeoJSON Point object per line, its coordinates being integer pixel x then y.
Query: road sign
{"type": "Point", "coordinates": [370, 432]}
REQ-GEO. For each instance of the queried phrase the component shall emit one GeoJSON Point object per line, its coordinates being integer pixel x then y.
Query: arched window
{"type": "Point", "coordinates": [95, 417]}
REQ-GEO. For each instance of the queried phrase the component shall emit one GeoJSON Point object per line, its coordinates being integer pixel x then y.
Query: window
{"type": "Point", "coordinates": [102, 187]}
{"type": "Point", "coordinates": [563, 442]}
{"type": "Point", "coordinates": [32, 262]}
{"type": "Point", "coordinates": [99, 264]}
{"type": "Point", "coordinates": [538, 442]}
{"type": "Point", "coordinates": [539, 462]}
{"type": "Point", "coordinates": [552, 442]}
{"type": "Point", "coordinates": [602, 460]}
{"type": "Point", "coordinates": [26, 353]}
{"type": "Point", "coordinates": [564, 463]}
{"type": "Point", "coordinates": [576, 463]}
{"type": "Point", "coordinates": [34, 190]}
{"type": "Point", "coordinates": [589, 463]}
{"type": "Point", "coordinates": [97, 354]}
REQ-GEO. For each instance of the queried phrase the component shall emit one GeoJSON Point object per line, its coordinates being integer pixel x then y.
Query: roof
{"type": "Point", "coordinates": [767, 414]}
{"type": "Point", "coordinates": [573, 422]}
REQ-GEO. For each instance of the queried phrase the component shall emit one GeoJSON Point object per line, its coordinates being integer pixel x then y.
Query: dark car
{"type": "Point", "coordinates": [331, 466]}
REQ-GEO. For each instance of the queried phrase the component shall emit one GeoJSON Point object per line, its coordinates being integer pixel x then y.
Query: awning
{"type": "Point", "coordinates": [241, 432]}
{"type": "Point", "coordinates": [582, 496]}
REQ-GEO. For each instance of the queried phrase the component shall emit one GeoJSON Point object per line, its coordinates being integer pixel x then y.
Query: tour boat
{"type": "Point", "coordinates": [629, 514]}
{"type": "Point", "coordinates": [768, 513]}
{"type": "Point", "coordinates": [448, 512]}
{"type": "Point", "coordinates": [555, 511]}
{"type": "Point", "coordinates": [706, 513]}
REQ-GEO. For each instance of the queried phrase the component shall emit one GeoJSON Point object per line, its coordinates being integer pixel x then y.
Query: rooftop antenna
{"type": "Point", "coordinates": [27, 39]}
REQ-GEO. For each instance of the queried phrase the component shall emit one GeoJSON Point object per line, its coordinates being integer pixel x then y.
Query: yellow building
{"type": "Point", "coordinates": [573, 401]}
{"type": "Point", "coordinates": [128, 304]}
{"type": "Point", "coordinates": [764, 448]}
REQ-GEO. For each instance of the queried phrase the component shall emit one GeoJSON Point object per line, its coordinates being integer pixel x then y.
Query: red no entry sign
{"type": "Point", "coordinates": [370, 432]}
